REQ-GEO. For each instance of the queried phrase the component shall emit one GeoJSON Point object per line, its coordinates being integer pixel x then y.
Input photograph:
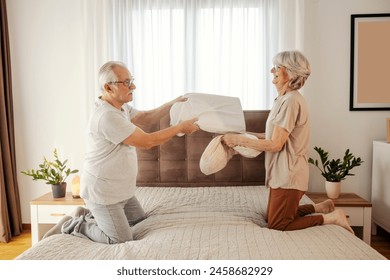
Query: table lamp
{"type": "Point", "coordinates": [76, 186]}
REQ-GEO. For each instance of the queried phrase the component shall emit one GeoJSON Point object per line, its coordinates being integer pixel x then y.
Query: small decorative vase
{"type": "Point", "coordinates": [333, 189]}
{"type": "Point", "coordinates": [59, 190]}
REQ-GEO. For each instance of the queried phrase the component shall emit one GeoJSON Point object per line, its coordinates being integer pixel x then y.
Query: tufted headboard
{"type": "Point", "coordinates": [176, 162]}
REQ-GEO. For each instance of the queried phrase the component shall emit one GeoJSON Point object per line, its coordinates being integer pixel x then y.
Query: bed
{"type": "Point", "coordinates": [191, 216]}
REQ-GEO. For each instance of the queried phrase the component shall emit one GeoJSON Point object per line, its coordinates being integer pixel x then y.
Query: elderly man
{"type": "Point", "coordinates": [108, 181]}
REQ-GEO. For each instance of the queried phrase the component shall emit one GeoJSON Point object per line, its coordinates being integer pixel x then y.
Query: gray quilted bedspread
{"type": "Point", "coordinates": [203, 223]}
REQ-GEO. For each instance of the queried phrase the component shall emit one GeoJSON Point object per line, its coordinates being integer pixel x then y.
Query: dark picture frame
{"type": "Point", "coordinates": [370, 62]}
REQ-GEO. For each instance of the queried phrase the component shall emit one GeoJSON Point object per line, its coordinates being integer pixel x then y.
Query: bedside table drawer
{"type": "Point", "coordinates": [354, 215]}
{"type": "Point", "coordinates": [47, 211]}
{"type": "Point", "coordinates": [51, 214]}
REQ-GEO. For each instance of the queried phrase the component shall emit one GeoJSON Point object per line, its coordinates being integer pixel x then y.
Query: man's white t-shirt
{"type": "Point", "coordinates": [110, 167]}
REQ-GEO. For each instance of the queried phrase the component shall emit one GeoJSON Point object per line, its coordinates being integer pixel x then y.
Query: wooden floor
{"type": "Point", "coordinates": [381, 242]}
{"type": "Point", "coordinates": [18, 244]}
{"type": "Point", "coordinates": [8, 251]}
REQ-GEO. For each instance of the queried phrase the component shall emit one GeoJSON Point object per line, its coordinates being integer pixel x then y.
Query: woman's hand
{"type": "Point", "coordinates": [230, 140]}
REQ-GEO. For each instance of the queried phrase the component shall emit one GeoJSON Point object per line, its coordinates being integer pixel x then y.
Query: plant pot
{"type": "Point", "coordinates": [59, 190]}
{"type": "Point", "coordinates": [332, 189]}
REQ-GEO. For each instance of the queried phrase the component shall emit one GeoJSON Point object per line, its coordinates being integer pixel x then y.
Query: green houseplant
{"type": "Point", "coordinates": [54, 173]}
{"type": "Point", "coordinates": [335, 170]}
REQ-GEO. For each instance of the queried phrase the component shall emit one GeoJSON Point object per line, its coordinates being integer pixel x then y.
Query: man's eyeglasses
{"type": "Point", "coordinates": [126, 83]}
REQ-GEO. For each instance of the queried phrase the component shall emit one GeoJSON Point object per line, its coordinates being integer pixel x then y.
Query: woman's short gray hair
{"type": "Point", "coordinates": [297, 67]}
{"type": "Point", "coordinates": [106, 73]}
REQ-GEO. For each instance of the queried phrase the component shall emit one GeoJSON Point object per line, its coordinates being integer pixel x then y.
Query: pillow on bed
{"type": "Point", "coordinates": [217, 155]}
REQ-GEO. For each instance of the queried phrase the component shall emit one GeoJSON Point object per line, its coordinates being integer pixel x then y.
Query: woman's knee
{"type": "Point", "coordinates": [278, 224]}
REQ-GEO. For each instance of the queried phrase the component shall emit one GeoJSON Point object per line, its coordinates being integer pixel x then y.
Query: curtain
{"type": "Point", "coordinates": [212, 46]}
{"type": "Point", "coordinates": [10, 212]}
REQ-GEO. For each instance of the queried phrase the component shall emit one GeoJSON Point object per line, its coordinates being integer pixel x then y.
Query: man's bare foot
{"type": "Point", "coordinates": [337, 217]}
{"type": "Point", "coordinates": [325, 207]}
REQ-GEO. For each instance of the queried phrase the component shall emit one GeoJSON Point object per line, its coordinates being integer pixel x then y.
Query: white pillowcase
{"type": "Point", "coordinates": [216, 113]}
{"type": "Point", "coordinates": [217, 155]}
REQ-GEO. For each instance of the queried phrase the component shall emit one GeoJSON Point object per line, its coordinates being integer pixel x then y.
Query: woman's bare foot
{"type": "Point", "coordinates": [325, 207]}
{"type": "Point", "coordinates": [338, 217]}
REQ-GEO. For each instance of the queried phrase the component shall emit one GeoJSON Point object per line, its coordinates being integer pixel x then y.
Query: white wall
{"type": "Point", "coordinates": [47, 55]}
{"type": "Point", "coordinates": [47, 75]}
{"type": "Point", "coordinates": [334, 127]}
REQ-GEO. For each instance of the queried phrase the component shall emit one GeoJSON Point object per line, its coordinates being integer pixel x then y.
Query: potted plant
{"type": "Point", "coordinates": [335, 170]}
{"type": "Point", "coordinates": [54, 173]}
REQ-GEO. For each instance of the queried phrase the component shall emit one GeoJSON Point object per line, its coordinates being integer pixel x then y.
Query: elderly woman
{"type": "Point", "coordinates": [286, 142]}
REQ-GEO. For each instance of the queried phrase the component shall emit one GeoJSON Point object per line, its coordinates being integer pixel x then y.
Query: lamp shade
{"type": "Point", "coordinates": [76, 186]}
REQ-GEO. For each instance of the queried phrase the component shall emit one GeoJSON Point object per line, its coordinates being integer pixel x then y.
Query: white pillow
{"type": "Point", "coordinates": [216, 113]}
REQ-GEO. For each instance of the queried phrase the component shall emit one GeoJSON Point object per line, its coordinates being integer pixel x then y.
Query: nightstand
{"type": "Point", "coordinates": [357, 209]}
{"type": "Point", "coordinates": [47, 211]}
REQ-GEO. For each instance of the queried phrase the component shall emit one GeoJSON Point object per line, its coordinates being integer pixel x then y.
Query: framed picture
{"type": "Point", "coordinates": [388, 130]}
{"type": "Point", "coordinates": [370, 62]}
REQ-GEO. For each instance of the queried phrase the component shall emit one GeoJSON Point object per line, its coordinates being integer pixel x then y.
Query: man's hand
{"type": "Point", "coordinates": [179, 99]}
{"type": "Point", "coordinates": [189, 126]}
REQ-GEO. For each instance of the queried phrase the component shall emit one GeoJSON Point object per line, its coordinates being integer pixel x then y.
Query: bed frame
{"type": "Point", "coordinates": [176, 163]}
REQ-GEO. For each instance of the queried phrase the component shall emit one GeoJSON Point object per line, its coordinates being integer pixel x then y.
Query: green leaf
{"type": "Point", "coordinates": [335, 170]}
{"type": "Point", "coordinates": [53, 172]}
